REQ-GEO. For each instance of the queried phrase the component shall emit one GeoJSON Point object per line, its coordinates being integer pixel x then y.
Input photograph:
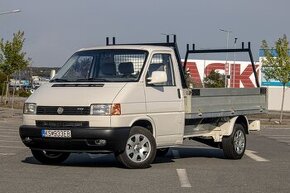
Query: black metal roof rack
{"type": "Point", "coordinates": [242, 49]}
{"type": "Point", "coordinates": [168, 43]}
{"type": "Point", "coordinates": [182, 68]}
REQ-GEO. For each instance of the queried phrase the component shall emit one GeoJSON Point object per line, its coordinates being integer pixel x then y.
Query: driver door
{"type": "Point", "coordinates": [164, 101]}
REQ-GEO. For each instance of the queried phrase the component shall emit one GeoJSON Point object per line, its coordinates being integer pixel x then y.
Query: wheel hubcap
{"type": "Point", "coordinates": [138, 148]}
{"type": "Point", "coordinates": [239, 142]}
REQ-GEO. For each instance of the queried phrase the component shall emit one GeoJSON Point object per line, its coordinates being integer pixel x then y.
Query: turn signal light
{"type": "Point", "coordinates": [116, 109]}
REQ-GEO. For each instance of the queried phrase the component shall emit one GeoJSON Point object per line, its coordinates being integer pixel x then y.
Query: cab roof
{"type": "Point", "coordinates": [133, 47]}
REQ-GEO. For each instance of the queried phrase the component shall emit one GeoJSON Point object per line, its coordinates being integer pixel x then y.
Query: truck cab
{"type": "Point", "coordinates": [100, 94]}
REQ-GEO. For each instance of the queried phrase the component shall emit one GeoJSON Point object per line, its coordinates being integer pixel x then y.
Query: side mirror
{"type": "Point", "coordinates": [157, 77]}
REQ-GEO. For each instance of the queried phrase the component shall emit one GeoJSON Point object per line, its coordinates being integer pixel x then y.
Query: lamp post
{"type": "Point", "coordinates": [228, 36]}
{"type": "Point", "coordinates": [9, 12]}
{"type": "Point", "coordinates": [235, 43]}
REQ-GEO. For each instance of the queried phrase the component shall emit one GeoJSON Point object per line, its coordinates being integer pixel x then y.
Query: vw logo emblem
{"type": "Point", "coordinates": [59, 110]}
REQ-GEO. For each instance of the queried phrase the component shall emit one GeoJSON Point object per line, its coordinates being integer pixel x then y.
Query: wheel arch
{"type": "Point", "coordinates": [146, 123]}
{"type": "Point", "coordinates": [228, 127]}
{"type": "Point", "coordinates": [244, 122]}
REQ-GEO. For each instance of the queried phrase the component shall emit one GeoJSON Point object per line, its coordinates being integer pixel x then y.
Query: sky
{"type": "Point", "coordinates": [55, 29]}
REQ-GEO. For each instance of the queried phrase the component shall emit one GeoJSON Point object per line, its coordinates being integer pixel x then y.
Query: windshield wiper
{"type": "Point", "coordinates": [59, 80]}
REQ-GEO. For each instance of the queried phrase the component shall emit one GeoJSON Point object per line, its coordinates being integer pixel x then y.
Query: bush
{"type": "Point", "coordinates": [214, 80]}
{"type": "Point", "coordinates": [23, 93]}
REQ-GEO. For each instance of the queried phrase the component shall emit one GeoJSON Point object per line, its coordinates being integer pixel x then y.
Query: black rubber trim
{"type": "Point", "coordinates": [263, 90]}
{"type": "Point", "coordinates": [81, 141]}
{"type": "Point", "coordinates": [195, 92]}
{"type": "Point", "coordinates": [78, 85]}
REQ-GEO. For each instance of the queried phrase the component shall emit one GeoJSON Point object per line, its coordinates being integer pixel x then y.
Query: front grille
{"type": "Point", "coordinates": [59, 124]}
{"type": "Point", "coordinates": [53, 110]}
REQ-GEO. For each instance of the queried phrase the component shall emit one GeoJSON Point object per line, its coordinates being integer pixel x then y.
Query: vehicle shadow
{"type": "Point", "coordinates": [190, 152]}
{"type": "Point", "coordinates": [83, 160]}
{"type": "Point", "coordinates": [109, 160]}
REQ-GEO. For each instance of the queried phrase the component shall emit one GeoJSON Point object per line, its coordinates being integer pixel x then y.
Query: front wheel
{"type": "Point", "coordinates": [234, 146]}
{"type": "Point", "coordinates": [49, 157]}
{"type": "Point", "coordinates": [140, 149]}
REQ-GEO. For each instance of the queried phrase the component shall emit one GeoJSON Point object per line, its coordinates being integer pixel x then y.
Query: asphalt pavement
{"type": "Point", "coordinates": [192, 167]}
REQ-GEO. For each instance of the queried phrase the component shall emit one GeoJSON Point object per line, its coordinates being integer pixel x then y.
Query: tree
{"type": "Point", "coordinates": [276, 65]}
{"type": "Point", "coordinates": [188, 78]}
{"type": "Point", "coordinates": [12, 58]}
{"type": "Point", "coordinates": [214, 80]}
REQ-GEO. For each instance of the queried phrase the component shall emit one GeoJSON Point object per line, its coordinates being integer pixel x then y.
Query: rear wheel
{"type": "Point", "coordinates": [49, 157]}
{"type": "Point", "coordinates": [234, 146]}
{"type": "Point", "coordinates": [140, 149]}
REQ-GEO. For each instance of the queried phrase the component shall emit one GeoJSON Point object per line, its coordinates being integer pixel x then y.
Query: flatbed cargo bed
{"type": "Point", "coordinates": [223, 102]}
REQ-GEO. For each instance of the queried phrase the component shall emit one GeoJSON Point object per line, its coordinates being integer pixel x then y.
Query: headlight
{"type": "Point", "coordinates": [106, 109]}
{"type": "Point", "coordinates": [29, 108]}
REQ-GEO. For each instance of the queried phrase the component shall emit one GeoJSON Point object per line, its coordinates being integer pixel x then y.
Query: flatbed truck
{"type": "Point", "coordinates": [133, 100]}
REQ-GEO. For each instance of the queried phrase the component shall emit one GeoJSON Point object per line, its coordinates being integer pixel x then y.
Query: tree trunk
{"type": "Point", "coordinates": [13, 97]}
{"type": "Point", "coordinates": [7, 91]}
{"type": "Point", "coordinates": [282, 104]}
{"type": "Point", "coordinates": [3, 90]}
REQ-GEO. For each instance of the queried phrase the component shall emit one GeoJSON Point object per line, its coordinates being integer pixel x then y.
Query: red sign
{"type": "Point", "coordinates": [239, 78]}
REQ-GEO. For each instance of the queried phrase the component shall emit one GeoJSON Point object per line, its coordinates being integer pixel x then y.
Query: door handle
{"type": "Point", "coordinates": [178, 93]}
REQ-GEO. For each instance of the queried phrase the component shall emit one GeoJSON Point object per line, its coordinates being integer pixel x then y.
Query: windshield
{"type": "Point", "coordinates": [103, 66]}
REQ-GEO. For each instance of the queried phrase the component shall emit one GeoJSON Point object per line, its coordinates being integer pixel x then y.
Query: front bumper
{"type": "Point", "coordinates": [82, 140]}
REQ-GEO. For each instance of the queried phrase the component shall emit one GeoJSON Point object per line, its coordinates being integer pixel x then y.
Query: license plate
{"type": "Point", "coordinates": [56, 133]}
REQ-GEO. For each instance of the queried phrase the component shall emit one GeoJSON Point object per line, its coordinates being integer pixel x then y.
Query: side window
{"type": "Point", "coordinates": [162, 62]}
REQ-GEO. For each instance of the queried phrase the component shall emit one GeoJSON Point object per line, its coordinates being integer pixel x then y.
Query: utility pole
{"type": "Point", "coordinates": [234, 65]}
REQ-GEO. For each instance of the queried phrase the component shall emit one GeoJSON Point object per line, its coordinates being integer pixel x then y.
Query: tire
{"type": "Point", "coordinates": [162, 152]}
{"type": "Point", "coordinates": [49, 157]}
{"type": "Point", "coordinates": [140, 150]}
{"type": "Point", "coordinates": [234, 146]}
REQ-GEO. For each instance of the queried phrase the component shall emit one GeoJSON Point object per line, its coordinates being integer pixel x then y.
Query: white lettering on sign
{"type": "Point", "coordinates": [241, 72]}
